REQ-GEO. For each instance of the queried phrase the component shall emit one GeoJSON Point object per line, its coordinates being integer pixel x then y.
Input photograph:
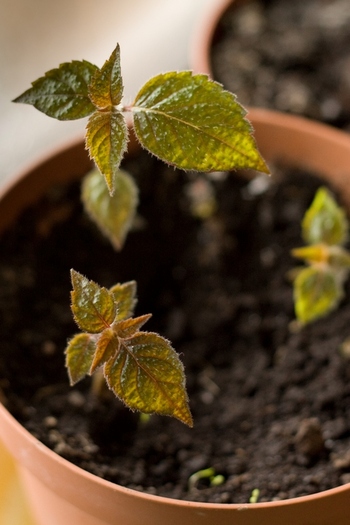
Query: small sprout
{"type": "Point", "coordinates": [254, 497]}
{"type": "Point", "coordinates": [318, 287]}
{"type": "Point", "coordinates": [215, 480]}
{"type": "Point", "coordinates": [141, 368]}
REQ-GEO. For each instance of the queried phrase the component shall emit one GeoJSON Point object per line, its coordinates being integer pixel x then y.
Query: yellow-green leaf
{"type": "Point", "coordinates": [325, 221]}
{"type": "Point", "coordinates": [79, 356]}
{"type": "Point", "coordinates": [129, 327]}
{"type": "Point", "coordinates": [316, 293]}
{"type": "Point", "coordinates": [93, 307]}
{"type": "Point", "coordinates": [316, 253]}
{"type": "Point", "coordinates": [106, 347]}
{"type": "Point", "coordinates": [106, 87]}
{"type": "Point", "coordinates": [63, 92]}
{"type": "Point", "coordinates": [147, 375]}
{"type": "Point", "coordinates": [193, 123]}
{"type": "Point", "coordinates": [106, 138]}
{"type": "Point", "coordinates": [125, 297]}
{"type": "Point", "coordinates": [114, 215]}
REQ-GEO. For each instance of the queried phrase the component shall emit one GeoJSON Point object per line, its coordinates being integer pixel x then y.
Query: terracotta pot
{"type": "Point", "coordinates": [61, 493]}
{"type": "Point", "coordinates": [210, 31]}
{"type": "Point", "coordinates": [205, 34]}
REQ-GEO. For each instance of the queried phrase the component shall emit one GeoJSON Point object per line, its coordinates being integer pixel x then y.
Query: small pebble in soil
{"type": "Point", "coordinates": [309, 439]}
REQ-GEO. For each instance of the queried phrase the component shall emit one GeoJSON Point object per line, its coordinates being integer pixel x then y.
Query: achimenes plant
{"type": "Point", "coordinates": [319, 286]}
{"type": "Point", "coordinates": [188, 121]}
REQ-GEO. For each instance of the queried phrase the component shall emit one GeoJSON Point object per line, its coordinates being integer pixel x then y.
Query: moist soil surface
{"type": "Point", "coordinates": [287, 55]}
{"type": "Point", "coordinates": [270, 401]}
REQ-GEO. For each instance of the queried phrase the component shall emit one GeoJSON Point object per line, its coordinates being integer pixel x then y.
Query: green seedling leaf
{"type": "Point", "coordinates": [93, 307]}
{"type": "Point", "coordinates": [192, 123]}
{"type": "Point", "coordinates": [125, 296]}
{"type": "Point", "coordinates": [147, 375]}
{"type": "Point", "coordinates": [325, 221]}
{"type": "Point", "coordinates": [106, 87]}
{"type": "Point", "coordinates": [316, 293]}
{"type": "Point", "coordinates": [106, 139]}
{"type": "Point", "coordinates": [63, 92]}
{"type": "Point", "coordinates": [79, 356]}
{"type": "Point", "coordinates": [254, 497]}
{"type": "Point", "coordinates": [114, 215]}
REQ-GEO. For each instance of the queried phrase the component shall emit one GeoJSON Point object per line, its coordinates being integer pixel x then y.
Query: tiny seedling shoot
{"type": "Point", "coordinates": [186, 120]}
{"type": "Point", "coordinates": [319, 286]}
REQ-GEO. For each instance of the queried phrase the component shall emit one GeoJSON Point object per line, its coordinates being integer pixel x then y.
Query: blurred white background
{"type": "Point", "coordinates": [37, 35]}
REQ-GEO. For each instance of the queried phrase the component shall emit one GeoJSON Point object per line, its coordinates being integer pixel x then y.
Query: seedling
{"type": "Point", "coordinates": [189, 122]}
{"type": "Point", "coordinates": [319, 286]}
{"type": "Point", "coordinates": [254, 497]}
{"type": "Point", "coordinates": [208, 474]}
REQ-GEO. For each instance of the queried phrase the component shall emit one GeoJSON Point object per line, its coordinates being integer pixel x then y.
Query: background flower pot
{"type": "Point", "coordinates": [291, 57]}
{"type": "Point", "coordinates": [60, 492]}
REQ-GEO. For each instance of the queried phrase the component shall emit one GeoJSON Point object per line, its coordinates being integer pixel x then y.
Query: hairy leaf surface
{"type": "Point", "coordinates": [193, 123]}
{"type": "Point", "coordinates": [106, 138]}
{"type": "Point", "coordinates": [93, 306]}
{"type": "Point", "coordinates": [148, 376]}
{"type": "Point", "coordinates": [125, 297]}
{"type": "Point", "coordinates": [79, 356]}
{"type": "Point", "coordinates": [106, 87]}
{"type": "Point", "coordinates": [129, 327]}
{"type": "Point", "coordinates": [114, 215]}
{"type": "Point", "coordinates": [107, 346]}
{"type": "Point", "coordinates": [63, 92]}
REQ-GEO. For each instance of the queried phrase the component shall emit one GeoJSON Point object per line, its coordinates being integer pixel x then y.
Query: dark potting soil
{"type": "Point", "coordinates": [271, 403]}
{"type": "Point", "coordinates": [287, 55]}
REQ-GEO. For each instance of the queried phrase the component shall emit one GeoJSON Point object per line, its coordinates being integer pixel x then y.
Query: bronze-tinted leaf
{"type": "Point", "coordinates": [106, 87]}
{"type": "Point", "coordinates": [106, 138]}
{"type": "Point", "coordinates": [93, 307]}
{"type": "Point", "coordinates": [79, 356]}
{"type": "Point", "coordinates": [125, 297]}
{"type": "Point", "coordinates": [106, 347]}
{"type": "Point", "coordinates": [129, 327]}
{"type": "Point", "coordinates": [147, 375]}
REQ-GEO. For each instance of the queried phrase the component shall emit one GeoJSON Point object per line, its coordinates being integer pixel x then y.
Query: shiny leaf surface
{"type": "Point", "coordinates": [325, 221]}
{"type": "Point", "coordinates": [79, 356]}
{"type": "Point", "coordinates": [147, 375]}
{"type": "Point", "coordinates": [106, 138]}
{"type": "Point", "coordinates": [93, 307]}
{"type": "Point", "coordinates": [193, 123]}
{"type": "Point", "coordinates": [63, 92]}
{"type": "Point", "coordinates": [114, 215]}
{"type": "Point", "coordinates": [106, 87]}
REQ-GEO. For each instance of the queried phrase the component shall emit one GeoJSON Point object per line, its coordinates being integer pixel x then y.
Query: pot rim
{"type": "Point", "coordinates": [203, 35]}
{"type": "Point", "coordinates": [30, 449]}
